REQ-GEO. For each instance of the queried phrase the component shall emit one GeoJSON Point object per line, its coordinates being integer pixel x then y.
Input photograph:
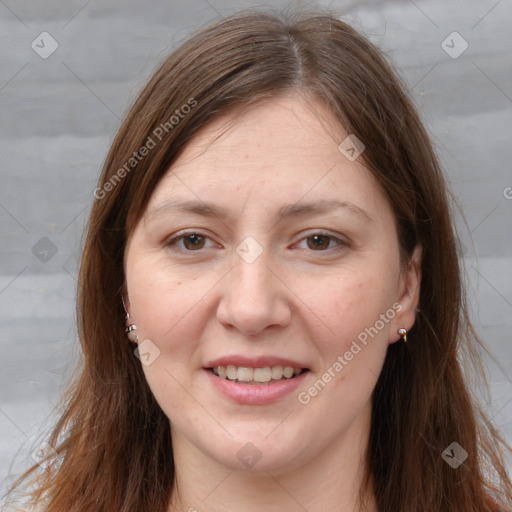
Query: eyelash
{"type": "Point", "coordinates": [173, 240]}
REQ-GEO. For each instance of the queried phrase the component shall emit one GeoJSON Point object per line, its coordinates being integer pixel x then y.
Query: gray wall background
{"type": "Point", "coordinates": [59, 114]}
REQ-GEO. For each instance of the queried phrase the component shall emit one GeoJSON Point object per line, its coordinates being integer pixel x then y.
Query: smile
{"type": "Point", "coordinates": [252, 392]}
{"type": "Point", "coordinates": [255, 376]}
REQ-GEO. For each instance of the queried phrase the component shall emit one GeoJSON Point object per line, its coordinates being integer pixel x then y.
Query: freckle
{"type": "Point", "coordinates": [178, 283]}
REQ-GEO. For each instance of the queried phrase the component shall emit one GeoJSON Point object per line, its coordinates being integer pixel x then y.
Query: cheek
{"type": "Point", "coordinates": [354, 337]}
{"type": "Point", "coordinates": [349, 305]}
{"type": "Point", "coordinates": [166, 306]}
{"type": "Point", "coordinates": [162, 300]}
{"type": "Point", "coordinates": [353, 349]}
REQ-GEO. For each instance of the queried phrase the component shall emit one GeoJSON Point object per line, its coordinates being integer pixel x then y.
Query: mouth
{"type": "Point", "coordinates": [262, 376]}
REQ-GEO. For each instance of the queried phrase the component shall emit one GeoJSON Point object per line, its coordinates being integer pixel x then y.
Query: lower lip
{"type": "Point", "coordinates": [254, 394]}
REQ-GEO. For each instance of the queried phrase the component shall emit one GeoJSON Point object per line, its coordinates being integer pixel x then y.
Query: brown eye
{"type": "Point", "coordinates": [318, 242]}
{"type": "Point", "coordinates": [193, 241]}
{"type": "Point", "coordinates": [189, 242]}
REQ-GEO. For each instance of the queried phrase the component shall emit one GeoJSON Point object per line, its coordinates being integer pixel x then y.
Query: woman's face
{"type": "Point", "coordinates": [267, 248]}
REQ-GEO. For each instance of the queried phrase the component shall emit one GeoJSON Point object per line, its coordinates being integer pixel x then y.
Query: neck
{"type": "Point", "coordinates": [329, 481]}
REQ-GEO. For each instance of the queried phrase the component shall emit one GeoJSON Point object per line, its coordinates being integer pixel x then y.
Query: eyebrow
{"type": "Point", "coordinates": [198, 207]}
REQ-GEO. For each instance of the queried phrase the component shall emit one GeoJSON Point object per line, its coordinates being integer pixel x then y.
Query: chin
{"type": "Point", "coordinates": [257, 456]}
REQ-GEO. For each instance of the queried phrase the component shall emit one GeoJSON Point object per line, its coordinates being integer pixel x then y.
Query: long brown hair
{"type": "Point", "coordinates": [113, 440]}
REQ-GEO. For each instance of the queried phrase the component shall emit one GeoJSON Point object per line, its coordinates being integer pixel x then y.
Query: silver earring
{"type": "Point", "coordinates": [131, 334]}
{"type": "Point", "coordinates": [130, 328]}
{"type": "Point", "coordinates": [403, 334]}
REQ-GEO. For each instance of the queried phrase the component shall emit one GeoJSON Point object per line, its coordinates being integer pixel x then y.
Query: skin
{"type": "Point", "coordinates": [294, 301]}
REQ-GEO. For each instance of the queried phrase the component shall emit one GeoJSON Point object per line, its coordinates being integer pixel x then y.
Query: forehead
{"type": "Point", "coordinates": [284, 150]}
{"type": "Point", "coordinates": [287, 128]}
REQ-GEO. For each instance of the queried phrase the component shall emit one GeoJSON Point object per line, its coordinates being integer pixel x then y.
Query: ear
{"type": "Point", "coordinates": [409, 296]}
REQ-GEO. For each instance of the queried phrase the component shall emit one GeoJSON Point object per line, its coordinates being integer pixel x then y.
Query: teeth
{"type": "Point", "coordinates": [231, 372]}
{"type": "Point", "coordinates": [288, 372]}
{"type": "Point", "coordinates": [266, 374]}
{"type": "Point", "coordinates": [245, 374]}
{"type": "Point", "coordinates": [277, 372]}
{"type": "Point", "coordinates": [262, 374]}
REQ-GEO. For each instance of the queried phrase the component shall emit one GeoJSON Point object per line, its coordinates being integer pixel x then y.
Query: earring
{"type": "Point", "coordinates": [131, 334]}
{"type": "Point", "coordinates": [403, 334]}
{"type": "Point", "coordinates": [130, 328]}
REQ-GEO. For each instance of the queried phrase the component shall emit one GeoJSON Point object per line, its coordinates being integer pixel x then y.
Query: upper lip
{"type": "Point", "coordinates": [254, 362]}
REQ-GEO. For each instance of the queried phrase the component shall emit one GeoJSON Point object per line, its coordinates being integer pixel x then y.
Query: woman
{"type": "Point", "coordinates": [273, 228]}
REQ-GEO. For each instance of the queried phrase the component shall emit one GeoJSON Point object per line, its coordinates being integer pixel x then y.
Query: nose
{"type": "Point", "coordinates": [253, 298]}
